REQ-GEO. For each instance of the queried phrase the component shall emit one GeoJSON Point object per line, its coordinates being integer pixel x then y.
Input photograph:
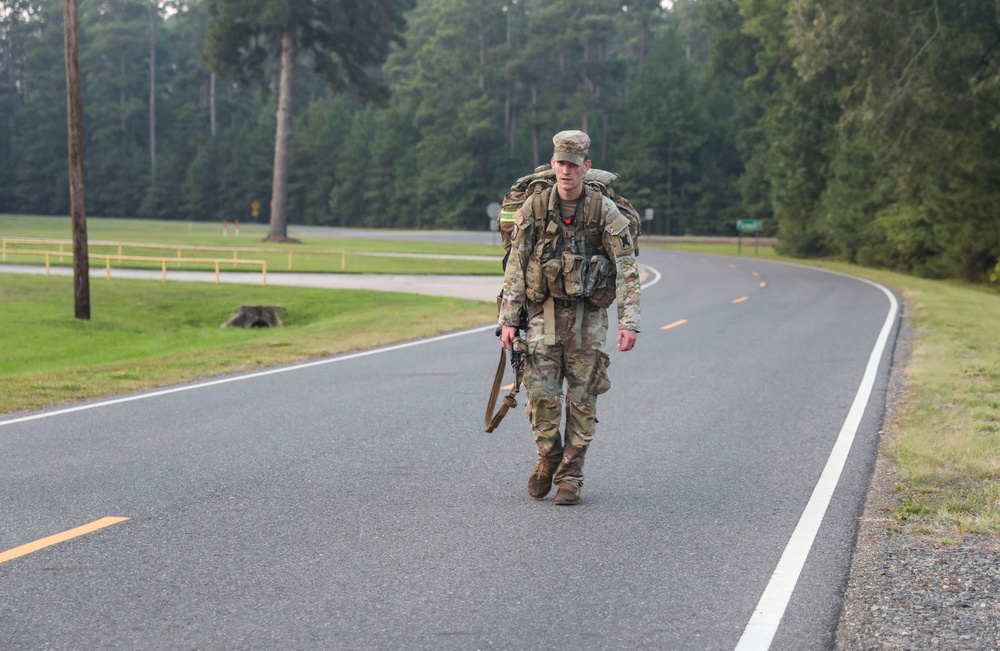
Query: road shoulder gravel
{"type": "Point", "coordinates": [915, 592]}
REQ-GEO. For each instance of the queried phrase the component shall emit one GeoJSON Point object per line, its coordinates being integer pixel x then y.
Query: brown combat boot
{"type": "Point", "coordinates": [567, 495]}
{"type": "Point", "coordinates": [569, 476]}
{"type": "Point", "coordinates": [540, 482]}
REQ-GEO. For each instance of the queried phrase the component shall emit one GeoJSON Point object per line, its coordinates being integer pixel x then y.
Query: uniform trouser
{"type": "Point", "coordinates": [576, 359]}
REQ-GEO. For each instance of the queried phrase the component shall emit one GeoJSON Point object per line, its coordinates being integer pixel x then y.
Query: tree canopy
{"type": "Point", "coordinates": [341, 38]}
{"type": "Point", "coordinates": [868, 131]}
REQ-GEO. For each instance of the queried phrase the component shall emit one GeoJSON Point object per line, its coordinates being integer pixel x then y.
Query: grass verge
{"type": "Point", "coordinates": [144, 334]}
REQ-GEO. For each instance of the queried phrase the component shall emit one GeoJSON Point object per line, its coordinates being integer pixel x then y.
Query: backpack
{"type": "Point", "coordinates": [533, 186]}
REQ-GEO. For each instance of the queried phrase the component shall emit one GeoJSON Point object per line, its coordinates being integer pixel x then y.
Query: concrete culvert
{"type": "Point", "coordinates": [256, 316]}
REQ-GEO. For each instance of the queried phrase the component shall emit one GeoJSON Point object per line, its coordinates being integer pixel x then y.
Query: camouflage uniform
{"type": "Point", "coordinates": [574, 352]}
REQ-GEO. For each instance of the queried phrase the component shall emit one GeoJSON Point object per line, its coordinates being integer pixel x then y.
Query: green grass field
{"type": "Point", "coordinates": [945, 440]}
{"type": "Point", "coordinates": [145, 334]}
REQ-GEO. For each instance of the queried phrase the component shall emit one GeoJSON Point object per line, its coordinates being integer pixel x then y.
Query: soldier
{"type": "Point", "coordinates": [572, 255]}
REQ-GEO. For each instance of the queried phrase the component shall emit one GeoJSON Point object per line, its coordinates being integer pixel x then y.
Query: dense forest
{"type": "Point", "coordinates": [864, 130]}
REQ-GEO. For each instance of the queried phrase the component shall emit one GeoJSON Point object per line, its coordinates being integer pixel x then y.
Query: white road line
{"type": "Point", "coordinates": [657, 276]}
{"type": "Point", "coordinates": [240, 378]}
{"type": "Point", "coordinates": [763, 624]}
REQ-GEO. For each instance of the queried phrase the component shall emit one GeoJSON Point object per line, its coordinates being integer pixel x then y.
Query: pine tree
{"type": "Point", "coordinates": [343, 38]}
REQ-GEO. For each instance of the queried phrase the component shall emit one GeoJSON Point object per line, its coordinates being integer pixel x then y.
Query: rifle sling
{"type": "Point", "coordinates": [509, 401]}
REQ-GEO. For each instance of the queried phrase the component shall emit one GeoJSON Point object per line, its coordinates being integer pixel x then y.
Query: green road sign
{"type": "Point", "coordinates": [750, 225]}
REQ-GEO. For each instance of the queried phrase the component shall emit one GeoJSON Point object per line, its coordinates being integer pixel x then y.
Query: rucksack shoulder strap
{"type": "Point", "coordinates": [592, 216]}
{"type": "Point", "coordinates": [540, 206]}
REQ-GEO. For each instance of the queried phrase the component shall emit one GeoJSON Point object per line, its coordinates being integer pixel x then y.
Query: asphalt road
{"type": "Point", "coordinates": [355, 502]}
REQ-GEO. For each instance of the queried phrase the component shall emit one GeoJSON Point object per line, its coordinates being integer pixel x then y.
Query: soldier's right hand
{"type": "Point", "coordinates": [507, 336]}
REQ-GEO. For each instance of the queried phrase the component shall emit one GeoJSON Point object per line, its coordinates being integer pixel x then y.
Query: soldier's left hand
{"type": "Point", "coordinates": [626, 340]}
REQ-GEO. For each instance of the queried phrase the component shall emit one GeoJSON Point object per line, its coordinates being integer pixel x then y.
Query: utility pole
{"type": "Point", "coordinates": [152, 97]}
{"type": "Point", "coordinates": [77, 189]}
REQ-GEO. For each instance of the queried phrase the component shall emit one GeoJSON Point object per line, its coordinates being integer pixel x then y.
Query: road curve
{"type": "Point", "coordinates": [355, 502]}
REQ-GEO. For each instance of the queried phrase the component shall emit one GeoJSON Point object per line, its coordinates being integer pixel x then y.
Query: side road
{"type": "Point", "coordinates": [476, 288]}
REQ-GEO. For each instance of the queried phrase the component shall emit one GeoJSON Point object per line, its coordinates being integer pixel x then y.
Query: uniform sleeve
{"type": "Point", "coordinates": [512, 300]}
{"type": "Point", "coordinates": [618, 242]}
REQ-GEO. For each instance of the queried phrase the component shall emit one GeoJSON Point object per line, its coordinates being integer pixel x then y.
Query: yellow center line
{"type": "Point", "coordinates": [674, 324]}
{"type": "Point", "coordinates": [741, 299]}
{"type": "Point", "coordinates": [756, 274]}
{"type": "Point", "coordinates": [42, 543]}
{"type": "Point", "coordinates": [762, 284]}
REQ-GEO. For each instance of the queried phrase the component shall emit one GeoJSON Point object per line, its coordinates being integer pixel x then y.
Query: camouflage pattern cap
{"type": "Point", "coordinates": [571, 146]}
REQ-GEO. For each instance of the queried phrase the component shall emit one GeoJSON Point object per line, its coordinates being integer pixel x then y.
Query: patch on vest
{"type": "Point", "coordinates": [621, 237]}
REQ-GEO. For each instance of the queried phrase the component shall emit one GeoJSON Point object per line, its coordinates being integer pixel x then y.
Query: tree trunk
{"type": "Point", "coordinates": [14, 75]}
{"type": "Point", "coordinates": [670, 181]}
{"type": "Point", "coordinates": [123, 134]}
{"type": "Point", "coordinates": [482, 60]}
{"type": "Point", "coordinates": [605, 137]}
{"type": "Point", "coordinates": [278, 229]}
{"type": "Point", "coordinates": [506, 121]}
{"type": "Point", "coordinates": [152, 96]}
{"type": "Point", "coordinates": [534, 124]}
{"type": "Point", "coordinates": [509, 124]}
{"type": "Point", "coordinates": [211, 104]}
{"type": "Point", "coordinates": [512, 135]}
{"type": "Point", "coordinates": [77, 189]}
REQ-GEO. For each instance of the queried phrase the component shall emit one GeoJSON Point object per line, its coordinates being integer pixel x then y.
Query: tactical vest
{"type": "Point", "coordinates": [568, 260]}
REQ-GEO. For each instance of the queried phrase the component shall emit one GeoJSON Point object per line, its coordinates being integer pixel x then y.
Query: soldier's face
{"type": "Point", "coordinates": [569, 177]}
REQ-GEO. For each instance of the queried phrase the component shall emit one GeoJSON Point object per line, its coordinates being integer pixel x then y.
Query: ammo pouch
{"type": "Point", "coordinates": [601, 280]}
{"type": "Point", "coordinates": [553, 277]}
{"type": "Point", "coordinates": [574, 273]}
{"type": "Point", "coordinates": [535, 278]}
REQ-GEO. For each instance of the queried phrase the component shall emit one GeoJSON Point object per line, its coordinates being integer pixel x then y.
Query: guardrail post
{"type": "Point", "coordinates": [289, 260]}
{"type": "Point", "coordinates": [216, 272]}
{"type": "Point", "coordinates": [343, 260]}
{"type": "Point", "coordinates": [163, 268]}
{"type": "Point", "coordinates": [46, 264]}
{"type": "Point", "coordinates": [107, 267]}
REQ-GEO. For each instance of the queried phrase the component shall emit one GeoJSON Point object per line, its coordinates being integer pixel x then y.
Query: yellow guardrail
{"type": "Point", "coordinates": [179, 248]}
{"type": "Point", "coordinates": [141, 258]}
